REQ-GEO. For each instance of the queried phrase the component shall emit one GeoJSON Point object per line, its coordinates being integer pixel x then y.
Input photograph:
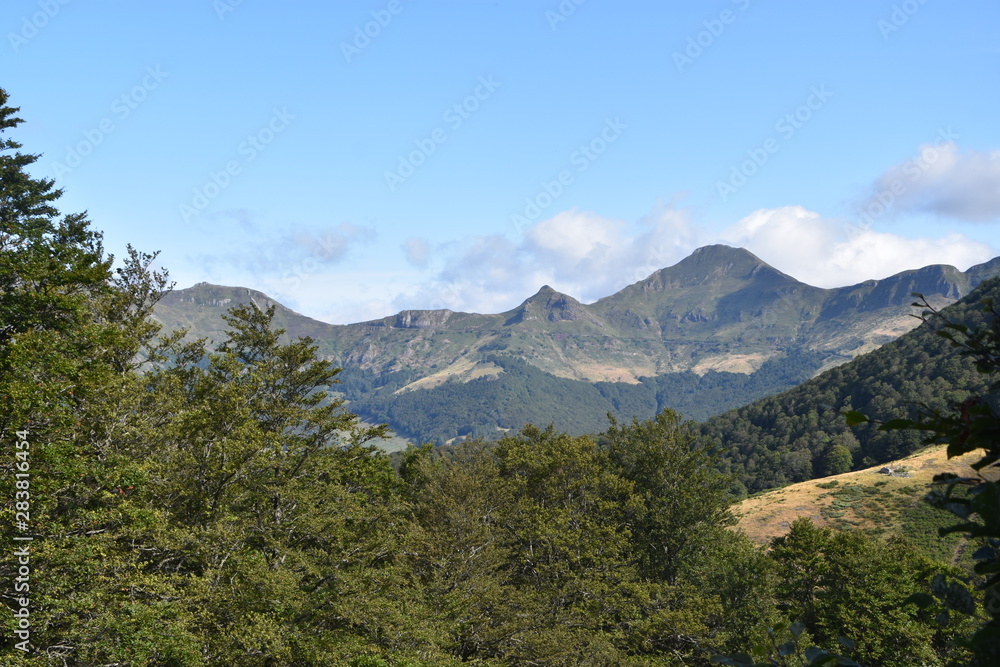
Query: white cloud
{"type": "Point", "coordinates": [828, 253]}
{"type": "Point", "coordinates": [581, 254]}
{"type": "Point", "coordinates": [943, 181]}
{"type": "Point", "coordinates": [576, 252]}
{"type": "Point", "coordinates": [588, 257]}
{"type": "Point", "coordinates": [342, 297]}
{"type": "Point", "coordinates": [327, 245]}
{"type": "Point", "coordinates": [575, 237]}
{"type": "Point", "coordinates": [295, 250]}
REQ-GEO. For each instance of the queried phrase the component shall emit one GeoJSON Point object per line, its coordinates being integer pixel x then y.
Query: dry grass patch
{"type": "Point", "coordinates": [863, 499]}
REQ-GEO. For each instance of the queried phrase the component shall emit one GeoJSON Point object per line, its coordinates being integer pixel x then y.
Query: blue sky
{"type": "Point", "coordinates": [354, 159]}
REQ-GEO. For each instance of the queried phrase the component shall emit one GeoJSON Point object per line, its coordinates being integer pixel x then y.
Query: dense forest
{"type": "Point", "coordinates": [168, 504]}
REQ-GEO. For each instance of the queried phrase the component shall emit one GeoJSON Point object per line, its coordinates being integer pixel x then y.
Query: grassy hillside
{"type": "Point", "coordinates": [863, 500]}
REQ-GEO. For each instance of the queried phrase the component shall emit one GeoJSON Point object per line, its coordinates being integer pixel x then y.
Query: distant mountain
{"type": "Point", "coordinates": [716, 330]}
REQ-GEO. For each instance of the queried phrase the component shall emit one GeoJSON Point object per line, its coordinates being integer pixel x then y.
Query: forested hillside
{"type": "Point", "coordinates": [801, 433]}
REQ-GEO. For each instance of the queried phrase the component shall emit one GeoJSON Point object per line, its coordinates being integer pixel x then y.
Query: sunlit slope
{"type": "Point", "coordinates": [863, 500]}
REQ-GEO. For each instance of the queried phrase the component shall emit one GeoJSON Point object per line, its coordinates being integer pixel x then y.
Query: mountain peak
{"type": "Point", "coordinates": [722, 257]}
{"type": "Point", "coordinates": [221, 296]}
{"type": "Point", "coordinates": [712, 264]}
{"type": "Point", "coordinates": [723, 252]}
{"type": "Point", "coordinates": [547, 305]}
{"type": "Point", "coordinates": [547, 298]}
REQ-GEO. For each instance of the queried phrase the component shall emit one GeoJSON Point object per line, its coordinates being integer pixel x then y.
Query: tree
{"type": "Point", "coordinates": [743, 577]}
{"type": "Point", "coordinates": [529, 549]}
{"type": "Point", "coordinates": [685, 501]}
{"type": "Point", "coordinates": [457, 553]}
{"type": "Point", "coordinates": [846, 584]}
{"type": "Point", "coordinates": [50, 269]}
{"type": "Point", "coordinates": [801, 559]}
{"type": "Point", "coordinates": [837, 460]}
{"type": "Point", "coordinates": [69, 331]}
{"type": "Point", "coordinates": [277, 521]}
{"type": "Point", "coordinates": [185, 508]}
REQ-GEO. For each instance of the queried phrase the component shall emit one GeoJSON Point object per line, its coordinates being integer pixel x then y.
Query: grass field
{"type": "Point", "coordinates": [863, 500]}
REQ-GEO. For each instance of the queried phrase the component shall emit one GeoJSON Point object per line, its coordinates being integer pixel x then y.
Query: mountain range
{"type": "Point", "coordinates": [716, 330]}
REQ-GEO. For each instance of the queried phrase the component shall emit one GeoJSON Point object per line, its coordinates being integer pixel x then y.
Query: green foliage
{"type": "Point", "coordinates": [847, 584]}
{"type": "Point", "coordinates": [184, 510]}
{"type": "Point", "coordinates": [665, 459]}
{"type": "Point", "coordinates": [70, 330]}
{"type": "Point", "coordinates": [792, 651]}
{"type": "Point", "coordinates": [837, 460]}
{"type": "Point", "coordinates": [270, 499]}
{"type": "Point", "coordinates": [52, 270]}
{"type": "Point", "coordinates": [968, 425]}
{"type": "Point", "coordinates": [546, 549]}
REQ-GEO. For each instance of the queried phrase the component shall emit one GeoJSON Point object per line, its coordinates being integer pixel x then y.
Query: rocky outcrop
{"type": "Point", "coordinates": [422, 319]}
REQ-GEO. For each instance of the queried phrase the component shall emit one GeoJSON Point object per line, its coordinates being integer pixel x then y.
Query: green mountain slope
{"type": "Point", "coordinates": [788, 437]}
